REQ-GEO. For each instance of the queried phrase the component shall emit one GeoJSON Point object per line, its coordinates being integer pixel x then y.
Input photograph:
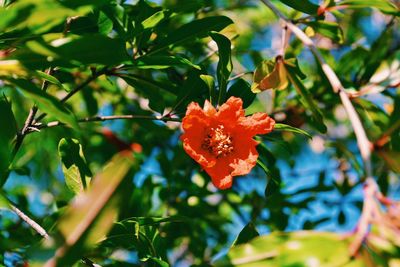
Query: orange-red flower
{"type": "Point", "coordinates": [221, 141]}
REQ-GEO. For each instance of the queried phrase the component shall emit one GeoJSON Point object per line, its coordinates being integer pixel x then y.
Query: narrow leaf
{"type": "Point", "coordinates": [225, 66]}
{"type": "Point", "coordinates": [328, 29]}
{"type": "Point", "coordinates": [303, 6]}
{"type": "Point", "coordinates": [163, 62]}
{"type": "Point", "coordinates": [197, 28]}
{"type": "Point", "coordinates": [49, 78]}
{"type": "Point", "coordinates": [8, 132]}
{"type": "Point", "coordinates": [285, 127]}
{"type": "Point", "coordinates": [46, 102]}
{"type": "Point", "coordinates": [386, 6]}
{"type": "Point", "coordinates": [308, 102]}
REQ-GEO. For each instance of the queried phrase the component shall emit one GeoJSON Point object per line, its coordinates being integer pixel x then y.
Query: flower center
{"type": "Point", "coordinates": [218, 142]}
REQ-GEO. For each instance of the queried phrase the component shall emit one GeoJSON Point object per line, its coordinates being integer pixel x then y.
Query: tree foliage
{"type": "Point", "coordinates": [92, 167]}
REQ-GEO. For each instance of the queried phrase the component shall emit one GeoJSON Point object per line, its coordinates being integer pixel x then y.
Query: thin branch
{"type": "Point", "coordinates": [41, 231]}
{"type": "Point", "coordinates": [285, 40]}
{"type": "Point", "coordinates": [93, 77]}
{"type": "Point", "coordinates": [34, 225]}
{"type": "Point", "coordinates": [240, 75]}
{"type": "Point", "coordinates": [29, 120]}
{"type": "Point", "coordinates": [364, 144]}
{"type": "Point", "coordinates": [107, 118]}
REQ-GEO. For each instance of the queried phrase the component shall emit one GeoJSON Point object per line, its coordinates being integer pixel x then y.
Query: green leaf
{"type": "Point", "coordinates": [209, 83]}
{"type": "Point", "coordinates": [386, 6]}
{"type": "Point", "coordinates": [153, 20]}
{"type": "Point", "coordinates": [150, 89]}
{"type": "Point", "coordinates": [76, 172]}
{"type": "Point", "coordinates": [292, 65]}
{"type": "Point", "coordinates": [4, 202]}
{"type": "Point", "coordinates": [270, 74]}
{"type": "Point", "coordinates": [88, 49]}
{"type": "Point", "coordinates": [158, 262]}
{"type": "Point", "coordinates": [328, 29]}
{"type": "Point", "coordinates": [292, 249]}
{"type": "Point", "coordinates": [285, 127]}
{"type": "Point", "coordinates": [8, 132]}
{"type": "Point", "coordinates": [88, 219]}
{"type": "Point", "coordinates": [151, 221]}
{"type": "Point", "coordinates": [308, 102]}
{"type": "Point", "coordinates": [242, 89]}
{"type": "Point", "coordinates": [46, 102]}
{"type": "Point", "coordinates": [391, 158]}
{"type": "Point", "coordinates": [39, 16]}
{"type": "Point", "coordinates": [264, 167]}
{"type": "Point", "coordinates": [224, 67]}
{"type": "Point", "coordinates": [49, 78]}
{"type": "Point", "coordinates": [163, 62]}
{"type": "Point", "coordinates": [197, 28]}
{"type": "Point", "coordinates": [248, 233]}
{"type": "Point", "coordinates": [303, 6]}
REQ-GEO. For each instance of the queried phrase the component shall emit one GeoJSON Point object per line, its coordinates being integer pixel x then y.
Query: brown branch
{"type": "Point", "coordinates": [34, 225]}
{"type": "Point", "coordinates": [93, 77]}
{"type": "Point", "coordinates": [39, 126]}
{"type": "Point", "coordinates": [29, 120]}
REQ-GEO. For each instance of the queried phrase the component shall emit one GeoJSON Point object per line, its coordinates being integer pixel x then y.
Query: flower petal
{"type": "Point", "coordinates": [220, 174]}
{"type": "Point", "coordinates": [258, 123]}
{"type": "Point", "coordinates": [230, 112]}
{"type": "Point", "coordinates": [195, 128]}
{"type": "Point", "coordinates": [209, 109]}
{"type": "Point", "coordinates": [195, 110]}
{"type": "Point", "coordinates": [195, 152]}
{"type": "Point", "coordinates": [245, 157]}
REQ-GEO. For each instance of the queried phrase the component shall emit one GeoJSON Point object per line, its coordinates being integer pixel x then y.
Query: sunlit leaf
{"type": "Point", "coordinates": [153, 20]}
{"type": "Point", "coordinates": [270, 74]}
{"type": "Point", "coordinates": [292, 249]}
{"type": "Point", "coordinates": [385, 6]}
{"type": "Point", "coordinates": [76, 172]}
{"type": "Point", "coordinates": [328, 29]}
{"type": "Point", "coordinates": [163, 62]}
{"type": "Point", "coordinates": [303, 6]}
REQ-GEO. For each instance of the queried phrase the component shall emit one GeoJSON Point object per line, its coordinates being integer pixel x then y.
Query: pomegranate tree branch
{"type": "Point", "coordinates": [363, 143]}
{"type": "Point", "coordinates": [29, 120]}
{"type": "Point", "coordinates": [93, 77]}
{"type": "Point", "coordinates": [34, 225]}
{"type": "Point", "coordinates": [39, 125]}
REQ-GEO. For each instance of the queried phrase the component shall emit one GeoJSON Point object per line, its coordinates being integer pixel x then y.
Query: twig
{"type": "Point", "coordinates": [285, 40]}
{"type": "Point", "coordinates": [239, 75]}
{"type": "Point", "coordinates": [29, 120]}
{"type": "Point", "coordinates": [363, 143]}
{"type": "Point", "coordinates": [39, 126]}
{"type": "Point", "coordinates": [41, 231]}
{"type": "Point", "coordinates": [34, 225]}
{"type": "Point", "coordinates": [93, 77]}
